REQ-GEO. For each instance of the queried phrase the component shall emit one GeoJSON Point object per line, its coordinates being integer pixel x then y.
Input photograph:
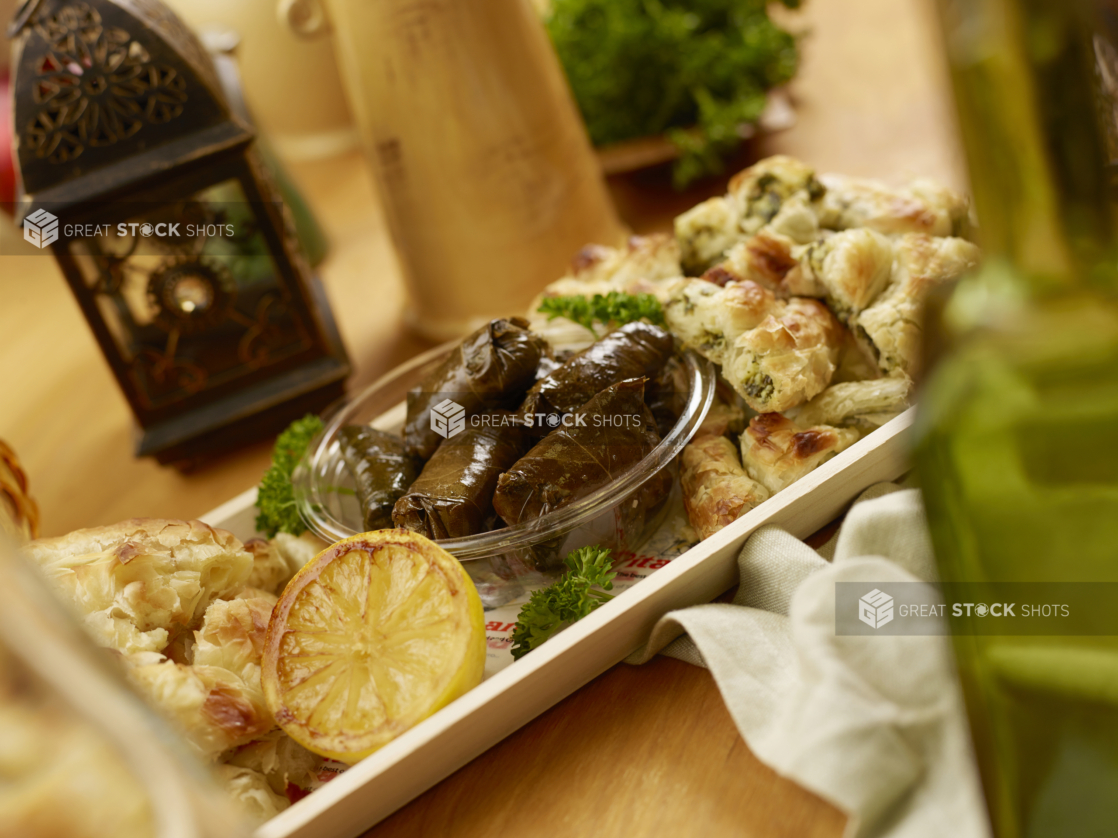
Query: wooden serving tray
{"type": "Point", "coordinates": [420, 758]}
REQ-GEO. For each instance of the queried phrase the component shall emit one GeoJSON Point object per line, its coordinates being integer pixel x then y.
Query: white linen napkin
{"type": "Point", "coordinates": [873, 724]}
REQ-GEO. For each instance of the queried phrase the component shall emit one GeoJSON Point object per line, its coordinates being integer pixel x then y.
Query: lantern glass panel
{"type": "Point", "coordinates": [191, 294]}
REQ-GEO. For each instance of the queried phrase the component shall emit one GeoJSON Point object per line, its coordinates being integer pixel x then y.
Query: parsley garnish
{"type": "Point", "coordinates": [614, 309]}
{"type": "Point", "coordinates": [644, 67]}
{"type": "Point", "coordinates": [550, 610]}
{"type": "Point", "coordinates": [275, 497]}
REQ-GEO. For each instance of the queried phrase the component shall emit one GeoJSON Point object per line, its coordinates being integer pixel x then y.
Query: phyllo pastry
{"type": "Point", "coordinates": [646, 265]}
{"type": "Point", "coordinates": [891, 328]}
{"type": "Point", "coordinates": [863, 404]}
{"type": "Point", "coordinates": [797, 219]}
{"type": "Point", "coordinates": [776, 452]}
{"type": "Point", "coordinates": [232, 634]}
{"type": "Point", "coordinates": [643, 258]}
{"type": "Point", "coordinates": [761, 191]}
{"type": "Point", "coordinates": [135, 582]}
{"type": "Point", "coordinates": [850, 269]}
{"type": "Point", "coordinates": [709, 317]}
{"type": "Point", "coordinates": [289, 769]}
{"type": "Point", "coordinates": [765, 258]}
{"type": "Point", "coordinates": [214, 696]}
{"type": "Point", "coordinates": [723, 418]}
{"type": "Point", "coordinates": [705, 232]}
{"type": "Point", "coordinates": [273, 567]}
{"type": "Point", "coordinates": [174, 598]}
{"type": "Point", "coordinates": [716, 489]}
{"type": "Point", "coordinates": [920, 207]}
{"type": "Point", "coordinates": [251, 791]}
{"type": "Point", "coordinates": [215, 709]}
{"type": "Point", "coordinates": [787, 358]}
{"type": "Point", "coordinates": [776, 198]}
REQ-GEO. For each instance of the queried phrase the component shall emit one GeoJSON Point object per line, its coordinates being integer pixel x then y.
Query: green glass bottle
{"type": "Point", "coordinates": [1018, 423]}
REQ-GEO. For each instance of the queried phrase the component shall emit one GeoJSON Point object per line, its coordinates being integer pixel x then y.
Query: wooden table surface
{"type": "Point", "coordinates": [638, 751]}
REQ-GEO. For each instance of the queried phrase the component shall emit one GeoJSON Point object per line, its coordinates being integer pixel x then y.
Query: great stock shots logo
{"type": "Point", "coordinates": [448, 418]}
{"type": "Point", "coordinates": [41, 228]}
{"type": "Point", "coordinates": [875, 609]}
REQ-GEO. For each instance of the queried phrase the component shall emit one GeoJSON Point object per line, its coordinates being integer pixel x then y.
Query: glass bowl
{"type": "Point", "coordinates": [501, 561]}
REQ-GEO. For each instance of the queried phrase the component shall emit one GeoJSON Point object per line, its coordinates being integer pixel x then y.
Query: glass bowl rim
{"type": "Point", "coordinates": [701, 377]}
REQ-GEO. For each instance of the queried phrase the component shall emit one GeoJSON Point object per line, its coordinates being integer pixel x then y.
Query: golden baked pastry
{"type": "Point", "coordinates": [134, 583]}
{"type": "Point", "coordinates": [850, 269]}
{"type": "Point", "coordinates": [766, 258]}
{"type": "Point", "coordinates": [214, 708]}
{"type": "Point", "coordinates": [716, 489]}
{"type": "Point", "coordinates": [863, 404]}
{"type": "Point", "coordinates": [250, 789]}
{"type": "Point", "coordinates": [721, 419]}
{"type": "Point", "coordinates": [648, 258]}
{"type": "Point", "coordinates": [787, 358]}
{"type": "Point", "coordinates": [705, 232]}
{"type": "Point", "coordinates": [891, 327]}
{"type": "Point", "coordinates": [232, 635]}
{"type": "Point", "coordinates": [708, 318]}
{"type": "Point", "coordinates": [645, 265]}
{"type": "Point", "coordinates": [777, 452]}
{"type": "Point", "coordinates": [283, 762]}
{"type": "Point", "coordinates": [273, 565]}
{"type": "Point", "coordinates": [921, 207]}
{"type": "Point", "coordinates": [761, 191]}
{"type": "Point", "coordinates": [296, 551]}
{"type": "Point", "coordinates": [172, 596]}
{"type": "Point", "coordinates": [778, 193]}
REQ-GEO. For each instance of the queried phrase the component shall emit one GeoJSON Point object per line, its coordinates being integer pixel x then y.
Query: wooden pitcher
{"type": "Point", "coordinates": [483, 165]}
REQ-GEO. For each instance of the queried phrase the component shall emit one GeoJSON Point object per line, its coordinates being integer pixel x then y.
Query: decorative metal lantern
{"type": "Point", "coordinates": [145, 184]}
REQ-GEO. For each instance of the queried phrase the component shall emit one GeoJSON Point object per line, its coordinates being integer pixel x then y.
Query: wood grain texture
{"type": "Point", "coordinates": [646, 748]}
{"type": "Point", "coordinates": [596, 764]}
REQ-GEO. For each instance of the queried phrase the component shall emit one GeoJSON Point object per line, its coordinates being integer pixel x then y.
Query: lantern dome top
{"type": "Point", "coordinates": [108, 94]}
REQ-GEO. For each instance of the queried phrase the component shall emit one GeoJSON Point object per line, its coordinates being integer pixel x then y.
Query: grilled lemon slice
{"type": "Point", "coordinates": [374, 635]}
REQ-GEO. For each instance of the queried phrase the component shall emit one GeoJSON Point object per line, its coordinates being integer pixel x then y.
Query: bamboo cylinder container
{"type": "Point", "coordinates": [483, 165]}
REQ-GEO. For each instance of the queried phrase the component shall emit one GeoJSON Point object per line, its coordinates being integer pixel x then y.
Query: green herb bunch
{"type": "Point", "coordinates": [552, 609]}
{"type": "Point", "coordinates": [613, 309]}
{"type": "Point", "coordinates": [694, 69]}
{"type": "Point", "coordinates": [275, 497]}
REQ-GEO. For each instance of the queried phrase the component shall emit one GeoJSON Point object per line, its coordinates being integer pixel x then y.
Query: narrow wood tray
{"type": "Point", "coordinates": [385, 781]}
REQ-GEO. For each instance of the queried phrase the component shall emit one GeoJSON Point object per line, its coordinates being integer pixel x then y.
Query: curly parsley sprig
{"type": "Point", "coordinates": [275, 497]}
{"type": "Point", "coordinates": [550, 610]}
{"type": "Point", "coordinates": [613, 309]}
{"type": "Point", "coordinates": [640, 68]}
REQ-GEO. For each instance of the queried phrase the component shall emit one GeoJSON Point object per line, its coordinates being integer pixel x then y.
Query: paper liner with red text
{"type": "Point", "coordinates": [673, 538]}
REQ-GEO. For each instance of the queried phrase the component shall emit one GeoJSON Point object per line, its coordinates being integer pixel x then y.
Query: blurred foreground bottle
{"type": "Point", "coordinates": [483, 164]}
{"type": "Point", "coordinates": [1018, 445]}
{"type": "Point", "coordinates": [82, 756]}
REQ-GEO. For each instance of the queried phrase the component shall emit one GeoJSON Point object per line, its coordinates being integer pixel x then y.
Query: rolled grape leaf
{"type": "Point", "coordinates": [595, 443]}
{"type": "Point", "coordinates": [382, 471]}
{"type": "Point", "coordinates": [666, 395]}
{"type": "Point", "coordinates": [490, 369]}
{"type": "Point", "coordinates": [453, 496]}
{"type": "Point", "coordinates": [635, 350]}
